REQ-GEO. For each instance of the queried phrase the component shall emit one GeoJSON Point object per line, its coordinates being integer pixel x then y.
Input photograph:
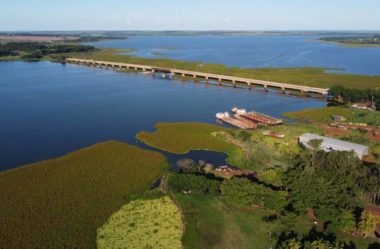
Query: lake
{"type": "Point", "coordinates": [48, 109]}
{"type": "Point", "coordinates": [255, 51]}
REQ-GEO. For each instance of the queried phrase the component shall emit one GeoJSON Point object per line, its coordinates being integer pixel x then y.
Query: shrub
{"type": "Point", "coordinates": [195, 183]}
{"type": "Point", "coordinates": [243, 192]}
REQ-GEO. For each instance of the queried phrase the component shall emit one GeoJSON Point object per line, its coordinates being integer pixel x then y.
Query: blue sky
{"type": "Point", "coordinates": [190, 15]}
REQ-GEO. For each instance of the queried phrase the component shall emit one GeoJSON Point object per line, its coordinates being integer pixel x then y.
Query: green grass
{"type": "Point", "coordinates": [257, 153]}
{"type": "Point", "coordinates": [152, 223]}
{"type": "Point", "coordinates": [210, 223]}
{"type": "Point", "coordinates": [315, 77]}
{"type": "Point", "coordinates": [60, 203]}
{"type": "Point", "coordinates": [180, 138]}
{"type": "Point", "coordinates": [324, 115]}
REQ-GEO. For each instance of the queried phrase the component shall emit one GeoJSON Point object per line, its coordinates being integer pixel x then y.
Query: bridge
{"type": "Point", "coordinates": [207, 76]}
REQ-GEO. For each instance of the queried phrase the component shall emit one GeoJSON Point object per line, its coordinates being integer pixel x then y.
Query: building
{"type": "Point", "coordinates": [331, 144]}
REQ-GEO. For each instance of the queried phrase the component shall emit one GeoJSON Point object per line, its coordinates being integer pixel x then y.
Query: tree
{"type": "Point", "coordinates": [194, 183]}
{"type": "Point", "coordinates": [243, 192]}
{"type": "Point", "coordinates": [328, 183]}
{"type": "Point", "coordinates": [304, 244]}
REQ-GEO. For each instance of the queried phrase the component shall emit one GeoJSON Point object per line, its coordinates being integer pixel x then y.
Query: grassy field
{"type": "Point", "coordinates": [315, 77]}
{"type": "Point", "coordinates": [152, 223]}
{"type": "Point", "coordinates": [319, 119]}
{"type": "Point", "coordinates": [210, 223]}
{"type": "Point", "coordinates": [264, 152]}
{"type": "Point", "coordinates": [324, 115]}
{"type": "Point", "coordinates": [257, 153]}
{"type": "Point", "coordinates": [180, 138]}
{"type": "Point", "coordinates": [60, 203]}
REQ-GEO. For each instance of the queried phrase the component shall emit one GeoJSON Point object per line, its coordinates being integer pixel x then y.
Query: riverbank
{"type": "Point", "coordinates": [354, 41]}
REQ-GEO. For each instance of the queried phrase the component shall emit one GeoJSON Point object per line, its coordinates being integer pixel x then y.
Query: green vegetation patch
{"type": "Point", "coordinates": [60, 203]}
{"type": "Point", "coordinates": [324, 115]}
{"type": "Point", "coordinates": [37, 50]}
{"type": "Point", "coordinates": [355, 41]}
{"type": "Point", "coordinates": [180, 138]}
{"type": "Point", "coordinates": [211, 223]}
{"type": "Point", "coordinates": [315, 77]}
{"type": "Point", "coordinates": [154, 223]}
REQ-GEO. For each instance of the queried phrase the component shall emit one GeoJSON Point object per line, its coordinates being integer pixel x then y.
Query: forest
{"type": "Point", "coordinates": [36, 50]}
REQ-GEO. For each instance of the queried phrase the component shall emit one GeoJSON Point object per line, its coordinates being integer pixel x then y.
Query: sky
{"type": "Point", "coordinates": [45, 15]}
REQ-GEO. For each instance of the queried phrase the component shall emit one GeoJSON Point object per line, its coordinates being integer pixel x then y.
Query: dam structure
{"type": "Point", "coordinates": [206, 76]}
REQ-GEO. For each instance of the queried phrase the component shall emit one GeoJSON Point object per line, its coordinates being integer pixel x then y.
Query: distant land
{"type": "Point", "coordinates": [373, 40]}
{"type": "Point", "coordinates": [123, 34]}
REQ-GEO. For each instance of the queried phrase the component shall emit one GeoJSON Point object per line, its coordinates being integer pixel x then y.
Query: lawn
{"type": "Point", "coordinates": [152, 223]}
{"type": "Point", "coordinates": [315, 77]}
{"type": "Point", "coordinates": [60, 203]}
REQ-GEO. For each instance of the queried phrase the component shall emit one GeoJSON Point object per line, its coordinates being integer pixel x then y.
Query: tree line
{"type": "Point", "coordinates": [35, 50]}
{"type": "Point", "coordinates": [344, 95]}
{"type": "Point", "coordinates": [336, 186]}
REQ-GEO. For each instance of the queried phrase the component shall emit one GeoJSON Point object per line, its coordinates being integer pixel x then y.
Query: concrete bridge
{"type": "Point", "coordinates": [207, 76]}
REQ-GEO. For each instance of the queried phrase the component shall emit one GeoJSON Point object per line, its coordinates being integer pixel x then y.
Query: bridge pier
{"type": "Point", "coordinates": [249, 85]}
{"type": "Point", "coordinates": [220, 81]}
{"type": "Point", "coordinates": [234, 83]}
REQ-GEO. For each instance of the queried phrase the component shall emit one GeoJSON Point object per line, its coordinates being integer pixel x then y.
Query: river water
{"type": "Point", "coordinates": [49, 109]}
{"type": "Point", "coordinates": [255, 51]}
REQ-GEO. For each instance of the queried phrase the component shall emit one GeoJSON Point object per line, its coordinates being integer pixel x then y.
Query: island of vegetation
{"type": "Point", "coordinates": [355, 41]}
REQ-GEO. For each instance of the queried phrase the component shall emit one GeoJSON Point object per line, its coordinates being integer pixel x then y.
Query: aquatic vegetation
{"type": "Point", "coordinates": [154, 223]}
{"type": "Point", "coordinates": [60, 203]}
{"type": "Point", "coordinates": [308, 76]}
{"type": "Point", "coordinates": [182, 137]}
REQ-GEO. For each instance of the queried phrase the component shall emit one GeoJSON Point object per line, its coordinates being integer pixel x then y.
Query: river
{"type": "Point", "coordinates": [48, 109]}
{"type": "Point", "coordinates": [257, 51]}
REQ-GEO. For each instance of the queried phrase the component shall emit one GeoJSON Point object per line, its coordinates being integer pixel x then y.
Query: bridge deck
{"type": "Point", "coordinates": [207, 76]}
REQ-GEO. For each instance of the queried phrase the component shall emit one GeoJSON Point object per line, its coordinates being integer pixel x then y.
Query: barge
{"type": "Point", "coordinates": [241, 124]}
{"type": "Point", "coordinates": [257, 117]}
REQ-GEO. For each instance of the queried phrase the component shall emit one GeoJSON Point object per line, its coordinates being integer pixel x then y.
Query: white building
{"type": "Point", "coordinates": [330, 144]}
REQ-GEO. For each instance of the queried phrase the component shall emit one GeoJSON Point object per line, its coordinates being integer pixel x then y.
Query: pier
{"type": "Point", "coordinates": [206, 76]}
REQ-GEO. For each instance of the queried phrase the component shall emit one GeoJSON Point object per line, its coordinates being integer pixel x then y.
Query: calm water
{"type": "Point", "coordinates": [255, 51]}
{"type": "Point", "coordinates": [48, 109]}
